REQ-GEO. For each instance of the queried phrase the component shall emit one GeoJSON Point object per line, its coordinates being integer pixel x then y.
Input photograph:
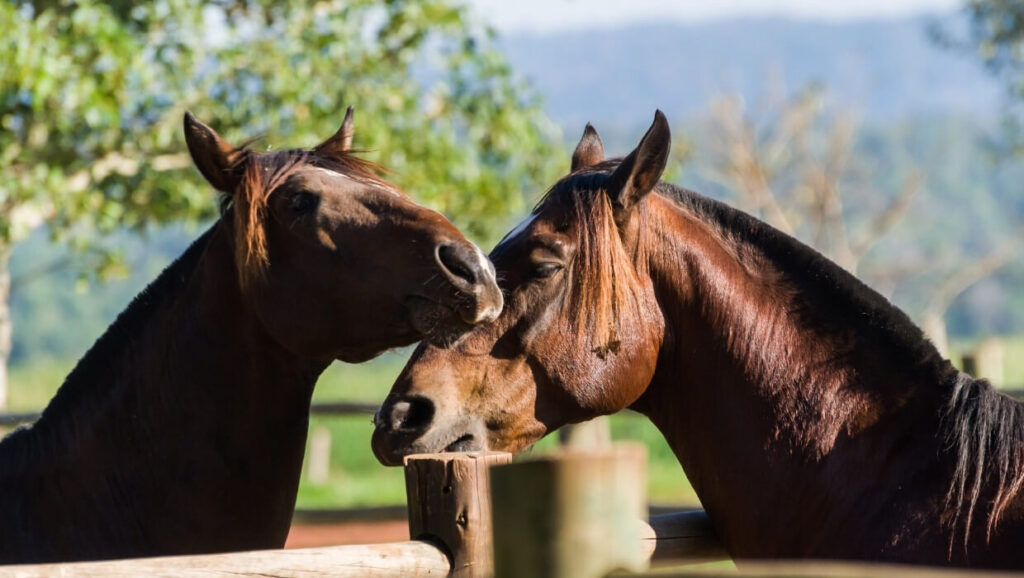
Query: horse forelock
{"type": "Point", "coordinates": [262, 175]}
{"type": "Point", "coordinates": [605, 295]}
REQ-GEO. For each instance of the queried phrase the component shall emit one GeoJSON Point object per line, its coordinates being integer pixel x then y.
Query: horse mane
{"type": "Point", "coordinates": [986, 430]}
{"type": "Point", "coordinates": [79, 396]}
{"type": "Point", "coordinates": [982, 428]}
{"type": "Point", "coordinates": [262, 174]}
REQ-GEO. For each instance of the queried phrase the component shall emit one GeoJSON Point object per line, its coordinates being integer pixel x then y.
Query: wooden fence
{"type": "Point", "coordinates": [329, 409]}
{"type": "Point", "coordinates": [566, 514]}
{"type": "Point", "coordinates": [449, 515]}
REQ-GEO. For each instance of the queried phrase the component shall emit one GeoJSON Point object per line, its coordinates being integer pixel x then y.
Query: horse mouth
{"type": "Point", "coordinates": [439, 324]}
{"type": "Point", "coordinates": [464, 443]}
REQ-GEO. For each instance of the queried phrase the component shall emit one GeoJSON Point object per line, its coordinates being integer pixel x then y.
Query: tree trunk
{"type": "Point", "coordinates": [6, 323]}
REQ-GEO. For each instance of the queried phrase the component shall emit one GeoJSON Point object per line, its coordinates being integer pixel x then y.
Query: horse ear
{"type": "Point", "coordinates": [640, 170]}
{"type": "Point", "coordinates": [215, 158]}
{"type": "Point", "coordinates": [341, 141]}
{"type": "Point", "coordinates": [589, 152]}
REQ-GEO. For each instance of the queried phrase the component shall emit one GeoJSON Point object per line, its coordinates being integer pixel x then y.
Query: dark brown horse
{"type": "Point", "coordinates": [813, 418]}
{"type": "Point", "coordinates": [182, 430]}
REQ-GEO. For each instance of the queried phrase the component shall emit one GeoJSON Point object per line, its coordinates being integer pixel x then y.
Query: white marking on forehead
{"type": "Point", "coordinates": [329, 172]}
{"type": "Point", "coordinates": [519, 228]}
{"type": "Point", "coordinates": [332, 173]}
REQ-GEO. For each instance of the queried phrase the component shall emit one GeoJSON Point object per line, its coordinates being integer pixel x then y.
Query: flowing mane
{"type": "Point", "coordinates": [986, 430]}
{"type": "Point", "coordinates": [983, 428]}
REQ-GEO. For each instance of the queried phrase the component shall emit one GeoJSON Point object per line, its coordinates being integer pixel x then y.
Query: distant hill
{"type": "Point", "coordinates": [884, 70]}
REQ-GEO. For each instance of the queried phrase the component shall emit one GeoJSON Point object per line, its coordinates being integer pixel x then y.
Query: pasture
{"type": "Point", "coordinates": [356, 479]}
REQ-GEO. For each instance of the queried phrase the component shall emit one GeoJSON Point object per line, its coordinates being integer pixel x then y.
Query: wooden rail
{"type": "Point", "coordinates": [413, 558]}
{"type": "Point", "coordinates": [16, 419]}
{"type": "Point", "coordinates": [331, 408]}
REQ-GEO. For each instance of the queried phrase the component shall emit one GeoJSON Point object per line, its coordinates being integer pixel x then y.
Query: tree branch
{"type": "Point", "coordinates": [966, 277]}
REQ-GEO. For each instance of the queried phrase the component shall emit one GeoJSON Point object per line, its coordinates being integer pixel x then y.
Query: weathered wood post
{"type": "Point", "coordinates": [989, 361]}
{"type": "Point", "coordinates": [448, 504]}
{"type": "Point", "coordinates": [319, 468]}
{"type": "Point", "coordinates": [574, 513]}
{"type": "Point", "coordinates": [593, 433]}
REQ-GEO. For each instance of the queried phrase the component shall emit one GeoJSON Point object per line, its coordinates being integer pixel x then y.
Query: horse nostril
{"type": "Point", "coordinates": [411, 415]}
{"type": "Point", "coordinates": [459, 261]}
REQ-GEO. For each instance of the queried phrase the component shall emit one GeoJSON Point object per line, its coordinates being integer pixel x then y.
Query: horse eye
{"type": "Point", "coordinates": [544, 270]}
{"type": "Point", "coordinates": [303, 202]}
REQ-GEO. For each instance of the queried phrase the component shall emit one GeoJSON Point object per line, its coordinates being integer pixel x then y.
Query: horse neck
{"type": "Point", "coordinates": [766, 400]}
{"type": "Point", "coordinates": [198, 411]}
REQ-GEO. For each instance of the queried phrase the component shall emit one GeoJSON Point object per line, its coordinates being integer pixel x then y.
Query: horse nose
{"type": "Point", "coordinates": [468, 270]}
{"type": "Point", "coordinates": [407, 416]}
{"type": "Point", "coordinates": [461, 263]}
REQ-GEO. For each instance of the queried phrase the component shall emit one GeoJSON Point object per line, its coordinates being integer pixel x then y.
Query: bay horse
{"type": "Point", "coordinates": [812, 417]}
{"type": "Point", "coordinates": [183, 428]}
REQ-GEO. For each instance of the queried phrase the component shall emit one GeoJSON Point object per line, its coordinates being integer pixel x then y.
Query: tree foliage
{"type": "Point", "coordinates": [995, 34]}
{"type": "Point", "coordinates": [815, 172]}
{"type": "Point", "coordinates": [92, 95]}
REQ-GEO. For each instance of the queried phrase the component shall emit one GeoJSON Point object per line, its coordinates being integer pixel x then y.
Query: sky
{"type": "Point", "coordinates": [548, 15]}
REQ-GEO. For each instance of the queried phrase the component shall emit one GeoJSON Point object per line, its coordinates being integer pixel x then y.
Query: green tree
{"type": "Point", "coordinates": [92, 95]}
{"type": "Point", "coordinates": [995, 33]}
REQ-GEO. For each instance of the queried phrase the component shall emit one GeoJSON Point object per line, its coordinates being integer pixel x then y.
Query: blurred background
{"type": "Point", "coordinates": [885, 133]}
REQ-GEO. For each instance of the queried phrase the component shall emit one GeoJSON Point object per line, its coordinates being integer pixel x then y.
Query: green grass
{"type": "Point", "coordinates": [32, 386]}
{"type": "Point", "coordinates": [356, 479]}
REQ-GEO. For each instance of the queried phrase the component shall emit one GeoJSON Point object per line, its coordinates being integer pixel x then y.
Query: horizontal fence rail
{"type": "Point", "coordinates": [341, 408]}
{"type": "Point", "coordinates": [16, 419]}
{"type": "Point", "coordinates": [413, 558]}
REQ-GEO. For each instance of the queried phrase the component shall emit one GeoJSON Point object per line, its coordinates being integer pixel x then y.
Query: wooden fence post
{"type": "Point", "coordinates": [593, 433]}
{"type": "Point", "coordinates": [574, 513]}
{"type": "Point", "coordinates": [448, 503]}
{"type": "Point", "coordinates": [989, 359]}
{"type": "Point", "coordinates": [319, 468]}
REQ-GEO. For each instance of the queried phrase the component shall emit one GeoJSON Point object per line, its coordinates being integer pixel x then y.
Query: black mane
{"type": "Point", "coordinates": [982, 428]}
{"type": "Point", "coordinates": [820, 281]}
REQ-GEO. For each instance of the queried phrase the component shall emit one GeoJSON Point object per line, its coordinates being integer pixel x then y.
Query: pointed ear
{"type": "Point", "coordinates": [341, 141]}
{"type": "Point", "coordinates": [640, 170]}
{"type": "Point", "coordinates": [589, 152]}
{"type": "Point", "coordinates": [215, 158]}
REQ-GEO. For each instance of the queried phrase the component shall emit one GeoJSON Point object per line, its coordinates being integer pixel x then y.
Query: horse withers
{"type": "Point", "coordinates": [812, 417]}
{"type": "Point", "coordinates": [182, 430]}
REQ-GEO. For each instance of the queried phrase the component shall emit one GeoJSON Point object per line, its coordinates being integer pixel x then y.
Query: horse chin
{"type": "Point", "coordinates": [439, 325]}
{"type": "Point", "coordinates": [359, 356]}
